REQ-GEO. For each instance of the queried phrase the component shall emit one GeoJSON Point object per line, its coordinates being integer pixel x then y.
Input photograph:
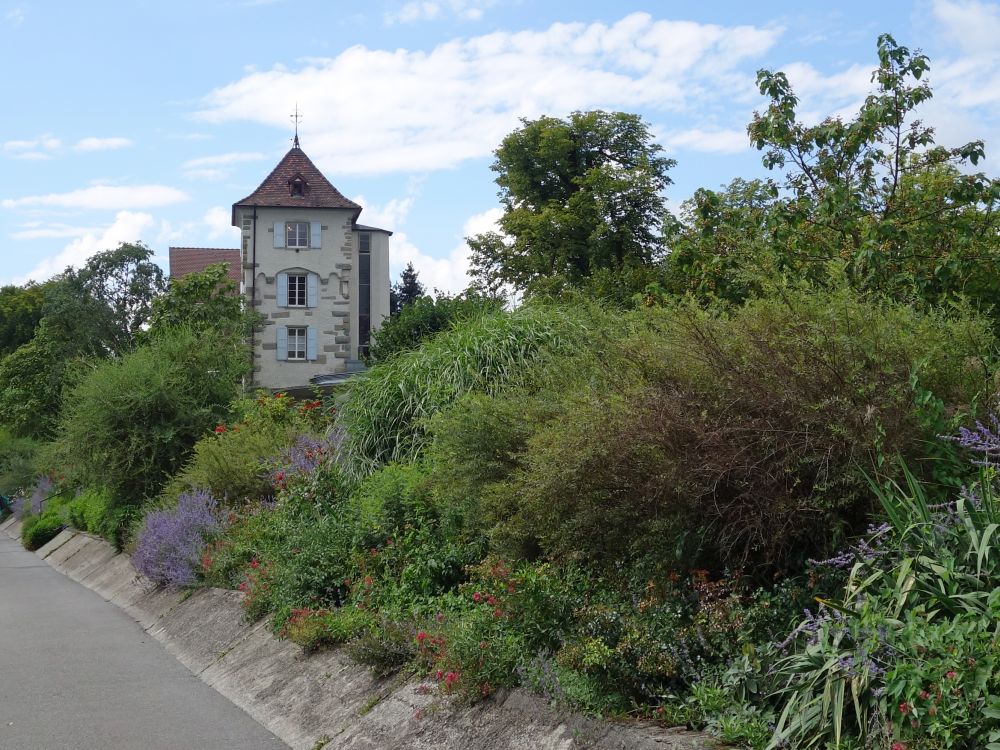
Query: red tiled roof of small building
{"type": "Point", "coordinates": [185, 260]}
{"type": "Point", "coordinates": [276, 189]}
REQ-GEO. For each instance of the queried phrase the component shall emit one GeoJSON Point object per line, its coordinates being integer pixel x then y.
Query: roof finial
{"type": "Point", "coordinates": [295, 118]}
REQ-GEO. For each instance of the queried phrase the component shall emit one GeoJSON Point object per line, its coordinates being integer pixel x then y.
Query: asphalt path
{"type": "Point", "coordinates": [78, 673]}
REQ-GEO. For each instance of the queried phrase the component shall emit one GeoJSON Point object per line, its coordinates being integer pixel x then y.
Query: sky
{"type": "Point", "coordinates": [145, 121]}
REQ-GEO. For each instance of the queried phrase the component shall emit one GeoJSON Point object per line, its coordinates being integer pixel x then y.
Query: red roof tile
{"type": "Point", "coordinates": [275, 190]}
{"type": "Point", "coordinates": [185, 260]}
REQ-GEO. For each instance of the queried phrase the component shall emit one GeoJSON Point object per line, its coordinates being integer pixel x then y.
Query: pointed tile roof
{"type": "Point", "coordinates": [276, 190]}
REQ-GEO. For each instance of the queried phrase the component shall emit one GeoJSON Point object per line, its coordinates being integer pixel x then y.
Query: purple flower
{"type": "Point", "coordinates": [171, 541]}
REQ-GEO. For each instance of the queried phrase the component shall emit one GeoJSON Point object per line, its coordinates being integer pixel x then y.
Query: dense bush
{"type": "Point", "coordinates": [233, 461]}
{"type": "Point", "coordinates": [17, 462]}
{"type": "Point", "coordinates": [734, 440]}
{"type": "Point", "coordinates": [131, 422]}
{"type": "Point", "coordinates": [90, 511]}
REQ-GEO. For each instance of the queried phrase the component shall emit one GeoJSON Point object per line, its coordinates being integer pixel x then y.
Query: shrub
{"type": "Point", "coordinates": [169, 546]}
{"type": "Point", "coordinates": [317, 628]}
{"type": "Point", "coordinates": [733, 440]}
{"type": "Point", "coordinates": [17, 462]}
{"type": "Point", "coordinates": [233, 461]}
{"type": "Point", "coordinates": [36, 531]}
{"type": "Point", "coordinates": [90, 511]}
{"type": "Point", "coordinates": [131, 422]}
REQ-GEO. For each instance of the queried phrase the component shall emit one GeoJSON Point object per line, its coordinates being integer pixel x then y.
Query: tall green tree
{"type": "Point", "coordinates": [901, 213]}
{"type": "Point", "coordinates": [406, 291]}
{"type": "Point", "coordinates": [92, 312]}
{"type": "Point", "coordinates": [20, 314]}
{"type": "Point", "coordinates": [201, 301]}
{"type": "Point", "coordinates": [579, 194]}
{"type": "Point", "coordinates": [105, 304]}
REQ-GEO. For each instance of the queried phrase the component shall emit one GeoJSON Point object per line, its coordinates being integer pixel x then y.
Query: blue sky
{"type": "Point", "coordinates": [147, 120]}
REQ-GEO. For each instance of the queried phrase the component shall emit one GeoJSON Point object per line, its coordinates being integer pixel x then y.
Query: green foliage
{"type": "Point", "coordinates": [313, 629]}
{"type": "Point", "coordinates": [876, 192]}
{"type": "Point", "coordinates": [909, 651]}
{"type": "Point", "coordinates": [91, 511]}
{"type": "Point", "coordinates": [579, 195]}
{"type": "Point", "coordinates": [384, 415]}
{"type": "Point", "coordinates": [423, 317]}
{"type": "Point", "coordinates": [131, 422]}
{"type": "Point", "coordinates": [232, 461]}
{"type": "Point", "coordinates": [20, 314]}
{"type": "Point", "coordinates": [654, 449]}
{"type": "Point", "coordinates": [17, 462]}
{"type": "Point", "coordinates": [103, 306]}
{"type": "Point", "coordinates": [407, 291]}
{"type": "Point", "coordinates": [39, 529]}
{"type": "Point", "coordinates": [201, 301]}
{"type": "Point", "coordinates": [32, 379]}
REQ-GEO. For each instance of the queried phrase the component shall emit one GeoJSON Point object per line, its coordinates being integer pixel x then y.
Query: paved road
{"type": "Point", "coordinates": [78, 673]}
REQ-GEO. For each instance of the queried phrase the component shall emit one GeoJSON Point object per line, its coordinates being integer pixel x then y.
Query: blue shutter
{"type": "Point", "coordinates": [315, 234]}
{"type": "Point", "coordinates": [310, 343]}
{"type": "Point", "coordinates": [282, 289]}
{"type": "Point", "coordinates": [282, 342]}
{"type": "Point", "coordinates": [279, 234]}
{"type": "Point", "coordinates": [312, 290]}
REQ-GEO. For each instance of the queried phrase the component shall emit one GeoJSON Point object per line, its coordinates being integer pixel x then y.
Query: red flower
{"type": "Point", "coordinates": [255, 563]}
{"type": "Point", "coordinates": [220, 429]}
{"type": "Point", "coordinates": [950, 675]}
{"type": "Point", "coordinates": [421, 636]}
{"type": "Point", "coordinates": [498, 612]}
{"type": "Point", "coordinates": [440, 674]}
{"type": "Point", "coordinates": [491, 600]}
{"type": "Point", "coordinates": [451, 678]}
{"type": "Point", "coordinates": [924, 695]}
{"type": "Point", "coordinates": [898, 746]}
{"type": "Point", "coordinates": [477, 597]}
{"type": "Point", "coordinates": [904, 708]}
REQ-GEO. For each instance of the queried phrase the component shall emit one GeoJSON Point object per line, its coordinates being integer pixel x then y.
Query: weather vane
{"type": "Point", "coordinates": [295, 118]}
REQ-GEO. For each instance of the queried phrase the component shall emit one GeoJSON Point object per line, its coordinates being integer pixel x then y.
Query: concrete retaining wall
{"type": "Point", "coordinates": [327, 698]}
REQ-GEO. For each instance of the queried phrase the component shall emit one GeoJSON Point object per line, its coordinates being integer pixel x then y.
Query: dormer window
{"type": "Point", "coordinates": [297, 186]}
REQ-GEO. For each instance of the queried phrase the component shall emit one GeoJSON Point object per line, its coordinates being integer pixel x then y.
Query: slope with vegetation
{"type": "Point", "coordinates": [702, 475]}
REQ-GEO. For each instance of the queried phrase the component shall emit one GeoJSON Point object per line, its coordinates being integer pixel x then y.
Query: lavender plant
{"type": "Point", "coordinates": [171, 541]}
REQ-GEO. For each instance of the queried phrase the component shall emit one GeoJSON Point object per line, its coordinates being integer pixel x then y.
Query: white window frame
{"type": "Point", "coordinates": [297, 235]}
{"type": "Point", "coordinates": [298, 285]}
{"type": "Point", "coordinates": [297, 336]}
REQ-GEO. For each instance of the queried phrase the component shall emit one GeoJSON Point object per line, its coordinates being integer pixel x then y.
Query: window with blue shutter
{"type": "Point", "coordinates": [279, 234]}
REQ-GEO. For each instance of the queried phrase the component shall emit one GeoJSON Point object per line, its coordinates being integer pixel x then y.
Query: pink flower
{"type": "Point", "coordinates": [451, 678]}
{"type": "Point", "coordinates": [950, 674]}
{"type": "Point", "coordinates": [421, 636]}
{"type": "Point", "coordinates": [477, 597]}
{"type": "Point", "coordinates": [904, 708]}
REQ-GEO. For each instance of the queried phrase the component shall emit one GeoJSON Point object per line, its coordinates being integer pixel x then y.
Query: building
{"type": "Point", "coordinates": [185, 260]}
{"type": "Point", "coordinates": [320, 279]}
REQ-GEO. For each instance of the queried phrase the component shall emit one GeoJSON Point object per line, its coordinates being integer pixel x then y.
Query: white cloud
{"type": "Point", "coordinates": [427, 10]}
{"type": "Point", "coordinates": [451, 273]}
{"type": "Point", "coordinates": [38, 148]}
{"type": "Point", "coordinates": [709, 141]}
{"type": "Point", "coordinates": [219, 221]}
{"type": "Point", "coordinates": [14, 16]}
{"type": "Point", "coordinates": [436, 109]}
{"type": "Point", "coordinates": [214, 167]}
{"type": "Point", "coordinates": [36, 231]}
{"type": "Point", "coordinates": [391, 216]}
{"type": "Point", "coordinates": [99, 197]}
{"type": "Point", "coordinates": [102, 144]}
{"type": "Point", "coordinates": [128, 226]}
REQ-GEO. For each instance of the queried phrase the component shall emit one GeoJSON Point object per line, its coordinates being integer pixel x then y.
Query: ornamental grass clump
{"type": "Point", "coordinates": [384, 416]}
{"type": "Point", "coordinates": [170, 544]}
